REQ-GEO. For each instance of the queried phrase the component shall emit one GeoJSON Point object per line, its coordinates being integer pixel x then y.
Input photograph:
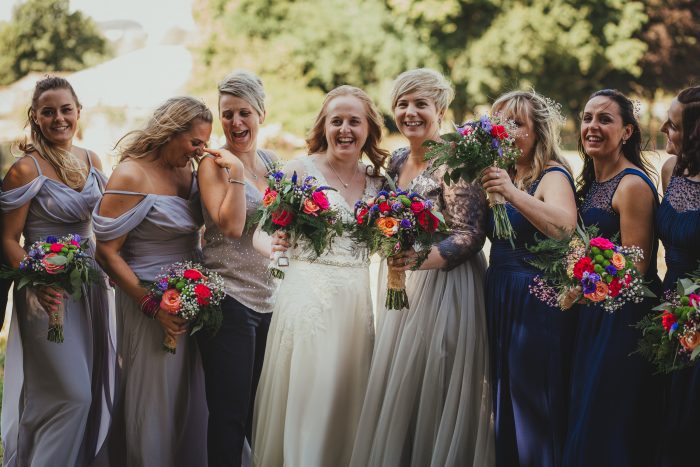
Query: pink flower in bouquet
{"type": "Point", "coordinates": [74, 243]}
{"type": "Point", "coordinates": [428, 221]}
{"type": "Point", "coordinates": [321, 200]}
{"type": "Point", "coordinates": [615, 286]}
{"type": "Point", "coordinates": [602, 243]}
{"type": "Point", "coordinates": [203, 294]}
{"type": "Point", "coordinates": [668, 319]}
{"type": "Point", "coordinates": [618, 260]}
{"type": "Point", "coordinates": [310, 207]}
{"type": "Point", "coordinates": [170, 301]}
{"type": "Point", "coordinates": [467, 130]}
{"type": "Point", "coordinates": [269, 197]}
{"type": "Point", "coordinates": [282, 218]}
{"type": "Point", "coordinates": [50, 267]}
{"type": "Point", "coordinates": [57, 247]}
{"type": "Point", "coordinates": [499, 131]}
{"type": "Point", "coordinates": [193, 275]}
{"type": "Point", "coordinates": [585, 264]}
{"type": "Point", "coordinates": [600, 294]}
{"type": "Point", "coordinates": [417, 206]}
{"type": "Point", "coordinates": [694, 299]}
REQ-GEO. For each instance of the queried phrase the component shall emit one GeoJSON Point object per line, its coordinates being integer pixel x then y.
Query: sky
{"type": "Point", "coordinates": [156, 16]}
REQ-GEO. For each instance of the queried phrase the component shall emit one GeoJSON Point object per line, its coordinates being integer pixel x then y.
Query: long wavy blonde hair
{"type": "Point", "coordinates": [547, 122]}
{"type": "Point", "coordinates": [68, 167]}
{"type": "Point", "coordinates": [173, 117]}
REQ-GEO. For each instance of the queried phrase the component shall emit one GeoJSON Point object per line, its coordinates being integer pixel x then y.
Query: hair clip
{"type": "Point", "coordinates": [636, 108]}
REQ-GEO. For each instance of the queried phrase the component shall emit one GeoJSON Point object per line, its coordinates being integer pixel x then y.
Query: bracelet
{"type": "Point", "coordinates": [233, 180]}
{"type": "Point", "coordinates": [149, 305]}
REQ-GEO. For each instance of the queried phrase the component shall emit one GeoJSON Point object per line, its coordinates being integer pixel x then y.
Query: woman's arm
{"type": "Point", "coordinates": [634, 201]}
{"type": "Point", "coordinates": [223, 195]}
{"type": "Point", "coordinates": [22, 172]}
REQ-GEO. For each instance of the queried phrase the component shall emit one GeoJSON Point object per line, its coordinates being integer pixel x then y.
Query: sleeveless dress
{"type": "Point", "coordinates": [678, 224]}
{"type": "Point", "coordinates": [428, 400]}
{"type": "Point", "coordinates": [53, 393]}
{"type": "Point", "coordinates": [613, 411]}
{"type": "Point", "coordinates": [160, 412]}
{"type": "Point", "coordinates": [318, 353]}
{"type": "Point", "coordinates": [531, 345]}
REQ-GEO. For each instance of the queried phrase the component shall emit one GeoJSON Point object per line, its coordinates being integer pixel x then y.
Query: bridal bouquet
{"type": "Point", "coordinates": [474, 146]}
{"type": "Point", "coordinates": [589, 269]}
{"type": "Point", "coordinates": [671, 340]}
{"type": "Point", "coordinates": [302, 210]}
{"type": "Point", "coordinates": [393, 222]}
{"type": "Point", "coordinates": [189, 291]}
{"type": "Point", "coordinates": [60, 262]}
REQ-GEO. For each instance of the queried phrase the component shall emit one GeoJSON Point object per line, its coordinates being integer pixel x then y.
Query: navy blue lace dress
{"type": "Point", "coordinates": [678, 224]}
{"type": "Point", "coordinates": [531, 347]}
{"type": "Point", "coordinates": [614, 406]}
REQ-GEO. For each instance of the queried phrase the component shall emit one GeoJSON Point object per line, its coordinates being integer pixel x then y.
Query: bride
{"type": "Point", "coordinates": [319, 348]}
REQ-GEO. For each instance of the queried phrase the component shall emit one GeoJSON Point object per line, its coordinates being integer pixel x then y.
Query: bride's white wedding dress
{"type": "Point", "coordinates": [318, 354]}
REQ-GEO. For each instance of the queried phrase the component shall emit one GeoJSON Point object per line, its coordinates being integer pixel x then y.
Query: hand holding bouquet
{"type": "Point", "coordinates": [189, 291]}
{"type": "Point", "coordinates": [393, 222]}
{"type": "Point", "coordinates": [60, 263]}
{"type": "Point", "coordinates": [474, 146]}
{"type": "Point", "coordinates": [587, 268]}
{"type": "Point", "coordinates": [671, 340]}
{"type": "Point", "coordinates": [300, 209]}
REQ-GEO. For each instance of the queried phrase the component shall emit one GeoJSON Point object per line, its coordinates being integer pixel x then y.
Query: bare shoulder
{"type": "Point", "coordinates": [632, 189]}
{"type": "Point", "coordinates": [21, 172]}
{"type": "Point", "coordinates": [95, 160]}
{"type": "Point", "coordinates": [128, 175]}
{"type": "Point", "coordinates": [667, 169]}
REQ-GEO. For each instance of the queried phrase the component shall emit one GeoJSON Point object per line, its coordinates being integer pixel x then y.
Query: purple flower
{"type": "Point", "coordinates": [610, 269]}
{"type": "Point", "coordinates": [374, 208]}
{"type": "Point", "coordinates": [163, 284]}
{"type": "Point", "coordinates": [294, 178]}
{"type": "Point", "coordinates": [428, 204]}
{"type": "Point", "coordinates": [358, 204]}
{"type": "Point", "coordinates": [51, 239]}
{"type": "Point", "coordinates": [494, 143]}
{"type": "Point", "coordinates": [77, 238]}
{"type": "Point", "coordinates": [278, 175]}
{"type": "Point", "coordinates": [405, 224]}
{"type": "Point", "coordinates": [396, 207]}
{"type": "Point", "coordinates": [674, 326]}
{"type": "Point", "coordinates": [22, 266]}
{"type": "Point", "coordinates": [485, 123]}
{"type": "Point", "coordinates": [588, 281]}
{"type": "Point", "coordinates": [382, 193]}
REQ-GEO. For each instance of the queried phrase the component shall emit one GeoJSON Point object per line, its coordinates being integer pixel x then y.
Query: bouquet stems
{"type": "Point", "coordinates": [396, 297]}
{"type": "Point", "coordinates": [55, 333]}
{"type": "Point", "coordinates": [502, 227]}
{"type": "Point", "coordinates": [169, 343]}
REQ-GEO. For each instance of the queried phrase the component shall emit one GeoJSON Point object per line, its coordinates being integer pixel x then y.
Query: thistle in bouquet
{"type": "Point", "coordinates": [59, 263]}
{"type": "Point", "coordinates": [472, 147]}
{"type": "Point", "coordinates": [393, 222]}
{"type": "Point", "coordinates": [671, 338]}
{"type": "Point", "coordinates": [588, 269]}
{"type": "Point", "coordinates": [189, 291]}
{"type": "Point", "coordinates": [301, 209]}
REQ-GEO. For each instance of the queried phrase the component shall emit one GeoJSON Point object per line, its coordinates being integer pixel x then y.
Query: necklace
{"type": "Point", "coordinates": [345, 185]}
{"type": "Point", "coordinates": [252, 174]}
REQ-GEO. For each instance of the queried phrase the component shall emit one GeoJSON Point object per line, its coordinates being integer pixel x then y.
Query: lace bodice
{"type": "Point", "coordinates": [600, 194]}
{"type": "Point", "coordinates": [462, 204]}
{"type": "Point", "coordinates": [683, 194]}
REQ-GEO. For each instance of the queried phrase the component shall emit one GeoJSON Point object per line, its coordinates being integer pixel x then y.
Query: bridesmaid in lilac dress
{"type": "Point", "coordinates": [53, 393]}
{"type": "Point", "coordinates": [678, 224]}
{"type": "Point", "coordinates": [149, 218]}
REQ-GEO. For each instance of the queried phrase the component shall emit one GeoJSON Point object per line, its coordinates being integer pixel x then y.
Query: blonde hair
{"type": "Point", "coordinates": [427, 83]}
{"type": "Point", "coordinates": [173, 117]}
{"type": "Point", "coordinates": [547, 122]}
{"type": "Point", "coordinates": [246, 85]}
{"type": "Point", "coordinates": [69, 168]}
{"type": "Point", "coordinates": [317, 141]}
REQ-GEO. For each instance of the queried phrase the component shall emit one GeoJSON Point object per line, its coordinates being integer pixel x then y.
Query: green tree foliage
{"type": "Point", "coordinates": [45, 36]}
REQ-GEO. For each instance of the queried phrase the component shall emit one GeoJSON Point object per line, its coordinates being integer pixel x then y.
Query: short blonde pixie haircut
{"type": "Point", "coordinates": [247, 86]}
{"type": "Point", "coordinates": [426, 83]}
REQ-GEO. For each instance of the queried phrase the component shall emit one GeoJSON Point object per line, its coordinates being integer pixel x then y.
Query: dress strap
{"type": "Point", "coordinates": [87, 153]}
{"type": "Point", "coordinates": [124, 192]}
{"type": "Point", "coordinates": [36, 163]}
{"type": "Point", "coordinates": [566, 174]}
{"type": "Point", "coordinates": [266, 158]}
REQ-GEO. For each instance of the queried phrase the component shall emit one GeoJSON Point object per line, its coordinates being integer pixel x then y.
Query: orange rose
{"type": "Point", "coordinates": [618, 260]}
{"type": "Point", "coordinates": [600, 294]}
{"type": "Point", "coordinates": [269, 197]}
{"type": "Point", "coordinates": [388, 225]}
{"type": "Point", "coordinates": [690, 340]}
{"type": "Point", "coordinates": [310, 207]}
{"type": "Point", "coordinates": [170, 301]}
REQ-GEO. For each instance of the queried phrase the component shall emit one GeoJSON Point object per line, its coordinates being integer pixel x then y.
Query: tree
{"type": "Point", "coordinates": [44, 36]}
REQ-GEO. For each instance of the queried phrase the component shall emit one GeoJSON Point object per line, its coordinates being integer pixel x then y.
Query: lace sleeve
{"type": "Point", "coordinates": [465, 210]}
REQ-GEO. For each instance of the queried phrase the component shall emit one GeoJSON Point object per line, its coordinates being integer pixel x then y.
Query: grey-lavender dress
{"type": "Point", "coordinates": [160, 411]}
{"type": "Point", "coordinates": [53, 393]}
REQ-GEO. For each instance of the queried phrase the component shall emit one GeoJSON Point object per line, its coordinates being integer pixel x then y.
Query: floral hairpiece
{"type": "Point", "coordinates": [555, 108]}
{"type": "Point", "coordinates": [636, 108]}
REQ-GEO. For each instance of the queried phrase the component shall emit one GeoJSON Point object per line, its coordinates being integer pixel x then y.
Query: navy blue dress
{"type": "Point", "coordinates": [531, 346]}
{"type": "Point", "coordinates": [678, 225]}
{"type": "Point", "coordinates": [614, 404]}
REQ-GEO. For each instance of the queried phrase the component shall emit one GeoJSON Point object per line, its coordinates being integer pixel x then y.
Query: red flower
{"type": "Point", "coordinates": [282, 218]}
{"type": "Point", "coordinates": [417, 206]}
{"type": "Point", "coordinates": [192, 274]}
{"type": "Point", "coordinates": [321, 200]}
{"type": "Point", "coordinates": [585, 264]}
{"type": "Point", "coordinates": [57, 247]}
{"type": "Point", "coordinates": [384, 207]}
{"type": "Point", "coordinates": [614, 287]}
{"type": "Point", "coordinates": [203, 294]}
{"type": "Point", "coordinates": [360, 218]}
{"type": "Point", "coordinates": [694, 299]}
{"type": "Point", "coordinates": [668, 319]}
{"type": "Point", "coordinates": [428, 221]}
{"type": "Point", "coordinates": [499, 131]}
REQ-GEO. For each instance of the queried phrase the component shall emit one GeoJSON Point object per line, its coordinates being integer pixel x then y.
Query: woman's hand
{"type": "Point", "coordinates": [172, 325]}
{"type": "Point", "coordinates": [495, 180]}
{"type": "Point", "coordinates": [572, 296]}
{"type": "Point", "coordinates": [49, 298]}
{"type": "Point", "coordinates": [278, 242]}
{"type": "Point", "coordinates": [404, 260]}
{"type": "Point", "coordinates": [225, 159]}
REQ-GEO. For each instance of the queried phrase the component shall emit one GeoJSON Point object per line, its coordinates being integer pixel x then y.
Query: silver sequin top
{"type": "Point", "coordinates": [244, 270]}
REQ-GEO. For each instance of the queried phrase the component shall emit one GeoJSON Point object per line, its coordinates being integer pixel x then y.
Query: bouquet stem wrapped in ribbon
{"type": "Point", "coordinates": [392, 222]}
{"type": "Point", "coordinates": [302, 210]}
{"type": "Point", "coordinates": [471, 148]}
{"type": "Point", "coordinates": [589, 269]}
{"type": "Point", "coordinates": [59, 262]}
{"type": "Point", "coordinates": [190, 291]}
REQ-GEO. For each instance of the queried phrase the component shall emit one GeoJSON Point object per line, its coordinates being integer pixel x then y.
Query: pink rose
{"type": "Point", "coordinates": [49, 266]}
{"type": "Point", "coordinates": [694, 299]}
{"type": "Point", "coordinates": [417, 206]}
{"type": "Point", "coordinates": [602, 243]}
{"type": "Point", "coordinates": [170, 301]}
{"type": "Point", "coordinates": [321, 200]}
{"type": "Point", "coordinates": [57, 247]}
{"type": "Point", "coordinates": [310, 207]}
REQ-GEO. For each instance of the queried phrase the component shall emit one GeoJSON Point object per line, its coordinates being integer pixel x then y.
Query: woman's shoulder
{"type": "Point", "coordinates": [667, 169]}
{"type": "Point", "coordinates": [128, 175]}
{"type": "Point", "coordinates": [22, 171]}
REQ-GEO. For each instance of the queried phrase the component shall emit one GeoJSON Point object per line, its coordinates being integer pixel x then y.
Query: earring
{"type": "Point", "coordinates": [624, 141]}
